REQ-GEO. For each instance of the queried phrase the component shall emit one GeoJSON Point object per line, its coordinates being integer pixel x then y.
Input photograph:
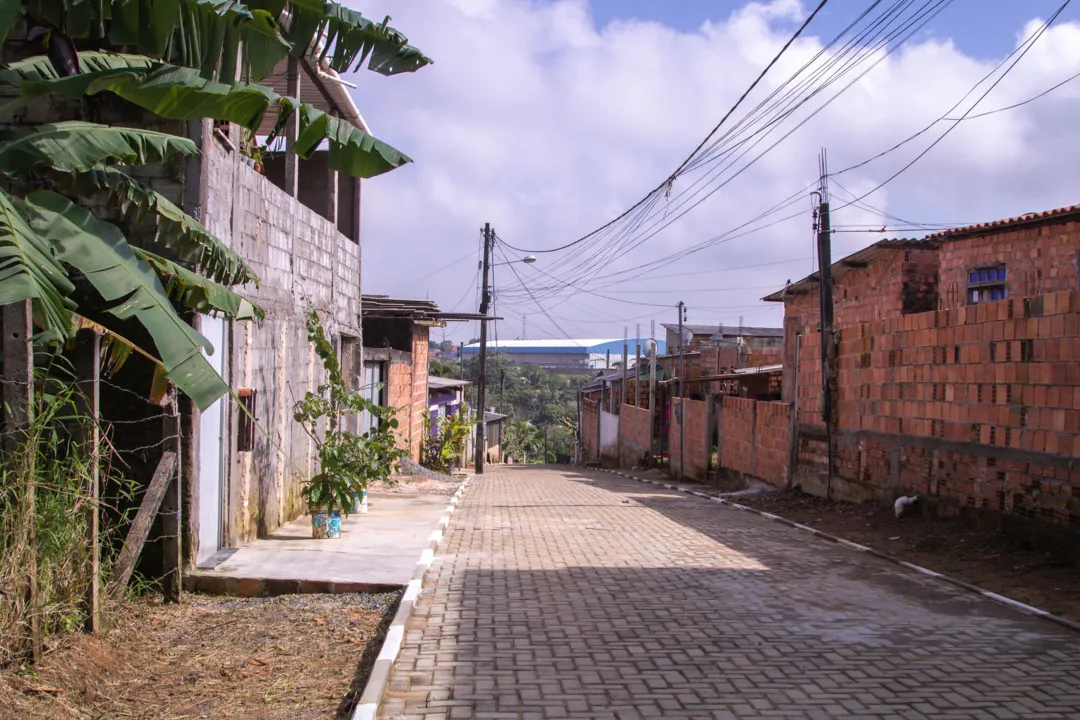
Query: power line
{"type": "Point", "coordinates": [678, 170]}
{"type": "Point", "coordinates": [1029, 44]}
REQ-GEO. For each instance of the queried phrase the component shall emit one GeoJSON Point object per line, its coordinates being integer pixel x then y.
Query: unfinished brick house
{"type": "Point", "coordinates": [958, 377]}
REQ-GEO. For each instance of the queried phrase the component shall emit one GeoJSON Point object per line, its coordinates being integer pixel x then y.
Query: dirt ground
{"type": "Point", "coordinates": [414, 485]}
{"type": "Point", "coordinates": [990, 560]}
{"type": "Point", "coordinates": [295, 656]}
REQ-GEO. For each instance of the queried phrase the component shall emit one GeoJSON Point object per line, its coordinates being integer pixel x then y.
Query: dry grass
{"type": "Point", "coordinates": [296, 656]}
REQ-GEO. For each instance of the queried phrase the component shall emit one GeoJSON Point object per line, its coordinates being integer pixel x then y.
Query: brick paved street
{"type": "Point", "coordinates": [563, 593]}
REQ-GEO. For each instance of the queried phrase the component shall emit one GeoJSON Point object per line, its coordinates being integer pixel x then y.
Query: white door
{"type": "Point", "coordinates": [211, 451]}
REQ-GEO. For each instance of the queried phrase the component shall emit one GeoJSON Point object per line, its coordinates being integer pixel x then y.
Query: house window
{"type": "Point", "coordinates": [373, 388]}
{"type": "Point", "coordinates": [987, 284]}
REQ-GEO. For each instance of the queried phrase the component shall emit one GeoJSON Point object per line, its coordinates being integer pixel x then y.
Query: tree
{"type": "Point", "coordinates": [522, 439]}
{"type": "Point", "coordinates": [78, 270]}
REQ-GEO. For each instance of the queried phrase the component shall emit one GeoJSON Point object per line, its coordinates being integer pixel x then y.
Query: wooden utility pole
{"type": "Point", "coordinates": [481, 390]}
{"type": "Point", "coordinates": [88, 399]}
{"type": "Point", "coordinates": [828, 338]}
{"type": "Point", "coordinates": [18, 387]}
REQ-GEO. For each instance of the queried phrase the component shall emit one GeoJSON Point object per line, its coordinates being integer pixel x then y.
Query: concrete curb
{"type": "Point", "coordinates": [1000, 599]}
{"type": "Point", "coordinates": [371, 698]}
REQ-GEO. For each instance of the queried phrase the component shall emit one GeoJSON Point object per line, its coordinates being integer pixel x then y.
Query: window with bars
{"type": "Point", "coordinates": [987, 284]}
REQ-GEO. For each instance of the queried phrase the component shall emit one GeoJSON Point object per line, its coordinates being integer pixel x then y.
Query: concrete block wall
{"type": "Point", "coordinates": [302, 262]}
{"type": "Point", "coordinates": [689, 459]}
{"type": "Point", "coordinates": [633, 434]}
{"type": "Point", "coordinates": [977, 405]}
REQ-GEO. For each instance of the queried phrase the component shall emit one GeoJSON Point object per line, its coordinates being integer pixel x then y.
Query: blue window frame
{"type": "Point", "coordinates": [987, 284]}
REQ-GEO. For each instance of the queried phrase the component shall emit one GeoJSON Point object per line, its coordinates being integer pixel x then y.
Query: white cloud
{"type": "Point", "coordinates": [547, 126]}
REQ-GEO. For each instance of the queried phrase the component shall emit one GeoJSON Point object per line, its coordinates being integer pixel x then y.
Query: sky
{"type": "Point", "coordinates": [550, 118]}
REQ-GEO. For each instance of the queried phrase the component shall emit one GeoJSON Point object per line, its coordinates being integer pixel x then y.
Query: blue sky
{"type": "Point", "coordinates": [989, 32]}
{"type": "Point", "coordinates": [548, 118]}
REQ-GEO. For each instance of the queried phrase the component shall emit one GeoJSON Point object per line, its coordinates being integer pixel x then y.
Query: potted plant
{"type": "Point", "coordinates": [249, 147]}
{"type": "Point", "coordinates": [348, 461]}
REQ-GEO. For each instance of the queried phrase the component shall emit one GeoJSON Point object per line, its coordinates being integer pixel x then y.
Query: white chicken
{"type": "Point", "coordinates": [903, 502]}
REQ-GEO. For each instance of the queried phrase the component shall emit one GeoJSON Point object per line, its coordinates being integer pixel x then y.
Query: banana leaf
{"type": "Point", "coordinates": [181, 94]}
{"type": "Point", "coordinates": [29, 271]}
{"type": "Point", "coordinates": [177, 230]}
{"type": "Point", "coordinates": [77, 146]}
{"type": "Point", "coordinates": [200, 294]}
{"type": "Point", "coordinates": [39, 67]}
{"type": "Point", "coordinates": [351, 150]}
{"type": "Point", "coordinates": [195, 33]}
{"type": "Point", "coordinates": [130, 286]}
{"type": "Point", "coordinates": [10, 10]}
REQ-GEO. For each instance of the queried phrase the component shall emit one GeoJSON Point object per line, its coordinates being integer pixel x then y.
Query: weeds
{"type": "Point", "coordinates": [59, 470]}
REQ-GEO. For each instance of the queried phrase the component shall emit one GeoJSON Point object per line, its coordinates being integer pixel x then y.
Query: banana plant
{"type": "Point", "coordinates": [187, 57]}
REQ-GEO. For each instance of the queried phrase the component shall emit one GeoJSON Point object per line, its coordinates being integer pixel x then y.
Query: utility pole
{"type": "Point", "coordinates": [485, 298]}
{"type": "Point", "coordinates": [828, 338]}
{"type": "Point", "coordinates": [682, 400]}
{"type": "Point", "coordinates": [461, 358]}
{"type": "Point", "coordinates": [637, 367]}
{"type": "Point", "coordinates": [652, 387]}
{"type": "Point", "coordinates": [502, 379]}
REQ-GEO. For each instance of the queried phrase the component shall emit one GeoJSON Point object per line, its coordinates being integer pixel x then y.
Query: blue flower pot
{"type": "Point", "coordinates": [325, 524]}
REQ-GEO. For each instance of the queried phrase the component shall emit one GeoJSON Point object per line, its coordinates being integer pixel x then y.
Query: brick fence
{"type": "Point", "coordinates": [633, 435]}
{"type": "Point", "coordinates": [755, 439]}
{"type": "Point", "coordinates": [692, 458]}
{"type": "Point", "coordinates": [977, 405]}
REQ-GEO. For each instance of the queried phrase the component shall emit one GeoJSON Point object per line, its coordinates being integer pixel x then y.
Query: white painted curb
{"type": "Point", "coordinates": [372, 696]}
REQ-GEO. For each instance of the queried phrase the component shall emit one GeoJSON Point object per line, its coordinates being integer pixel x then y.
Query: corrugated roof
{"type": "Point", "coordinates": [439, 383]}
{"type": "Point", "coordinates": [582, 344]}
{"type": "Point", "coordinates": [860, 258]}
{"type": "Point", "coordinates": [728, 330]}
{"type": "Point", "coordinates": [1033, 218]}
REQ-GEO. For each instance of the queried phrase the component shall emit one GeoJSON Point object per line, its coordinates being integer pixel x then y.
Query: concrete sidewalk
{"type": "Point", "coordinates": [378, 548]}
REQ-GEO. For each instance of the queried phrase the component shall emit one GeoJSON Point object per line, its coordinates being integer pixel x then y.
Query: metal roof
{"type": "Point", "coordinates": [863, 257]}
{"type": "Point", "coordinates": [728, 330]}
{"type": "Point", "coordinates": [856, 260]}
{"type": "Point", "coordinates": [490, 417]}
{"type": "Point", "coordinates": [439, 383]}
{"type": "Point", "coordinates": [557, 343]}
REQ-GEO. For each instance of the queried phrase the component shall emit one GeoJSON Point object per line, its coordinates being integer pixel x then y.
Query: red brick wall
{"type": "Point", "coordinates": [694, 462]}
{"type": "Point", "coordinates": [737, 435]}
{"type": "Point", "coordinates": [755, 439]}
{"type": "Point", "coordinates": [992, 378]}
{"type": "Point", "coordinates": [399, 396]}
{"type": "Point", "coordinates": [634, 433]}
{"type": "Point", "coordinates": [1040, 260]}
{"type": "Point", "coordinates": [897, 282]}
{"type": "Point", "coordinates": [419, 404]}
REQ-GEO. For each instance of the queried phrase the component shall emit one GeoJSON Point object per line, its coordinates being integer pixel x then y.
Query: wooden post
{"type": "Point", "coordinates": [88, 402]}
{"type": "Point", "coordinates": [292, 129]}
{"type": "Point", "coordinates": [140, 527]}
{"type": "Point", "coordinates": [172, 549]}
{"type": "Point", "coordinates": [18, 388]}
{"type": "Point", "coordinates": [652, 389]}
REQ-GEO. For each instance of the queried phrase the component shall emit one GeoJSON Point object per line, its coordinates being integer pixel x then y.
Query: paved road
{"type": "Point", "coordinates": [576, 594]}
